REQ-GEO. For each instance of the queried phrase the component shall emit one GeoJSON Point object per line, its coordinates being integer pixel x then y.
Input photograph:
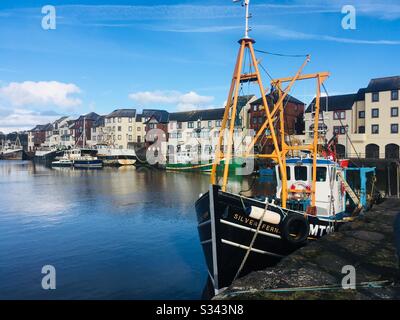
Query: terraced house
{"type": "Point", "coordinates": [195, 133]}
{"type": "Point", "coordinates": [367, 122]}
{"type": "Point", "coordinates": [121, 128]}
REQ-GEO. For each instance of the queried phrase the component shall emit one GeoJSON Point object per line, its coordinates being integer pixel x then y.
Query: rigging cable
{"type": "Point", "coordinates": [347, 133]}
{"type": "Point", "coordinates": [282, 54]}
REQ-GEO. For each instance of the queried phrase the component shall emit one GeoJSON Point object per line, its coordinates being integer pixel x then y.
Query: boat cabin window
{"type": "Point", "coordinates": [321, 174]}
{"type": "Point", "coordinates": [300, 173]}
{"type": "Point", "coordinates": [287, 173]}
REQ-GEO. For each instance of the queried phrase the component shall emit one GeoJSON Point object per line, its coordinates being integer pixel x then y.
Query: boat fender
{"type": "Point", "coordinates": [295, 229]}
{"type": "Point", "coordinates": [269, 216]}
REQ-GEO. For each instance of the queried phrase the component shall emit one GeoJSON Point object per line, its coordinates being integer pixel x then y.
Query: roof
{"type": "Point", "coordinates": [195, 115]}
{"type": "Point", "coordinates": [139, 117]}
{"type": "Point", "coordinates": [61, 119]}
{"type": "Point", "coordinates": [339, 102]}
{"type": "Point", "coordinates": [361, 94]}
{"type": "Point", "coordinates": [242, 101]}
{"type": "Point", "coordinates": [90, 116]}
{"type": "Point", "coordinates": [161, 116]}
{"type": "Point", "coordinates": [99, 122]}
{"type": "Point", "coordinates": [273, 97]}
{"type": "Point", "coordinates": [122, 113]}
{"type": "Point", "coordinates": [384, 84]}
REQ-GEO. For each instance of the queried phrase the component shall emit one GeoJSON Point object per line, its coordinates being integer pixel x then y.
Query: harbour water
{"type": "Point", "coordinates": [127, 233]}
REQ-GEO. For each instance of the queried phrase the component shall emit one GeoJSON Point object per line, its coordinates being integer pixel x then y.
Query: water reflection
{"type": "Point", "coordinates": [128, 233]}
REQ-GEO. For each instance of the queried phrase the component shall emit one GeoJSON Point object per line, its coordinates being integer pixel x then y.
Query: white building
{"type": "Point", "coordinates": [367, 123]}
{"type": "Point", "coordinates": [195, 133]}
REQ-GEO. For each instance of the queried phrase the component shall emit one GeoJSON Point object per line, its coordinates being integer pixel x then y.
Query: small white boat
{"type": "Point", "coordinates": [63, 163]}
{"type": "Point", "coordinates": [114, 156]}
{"type": "Point", "coordinates": [78, 159]}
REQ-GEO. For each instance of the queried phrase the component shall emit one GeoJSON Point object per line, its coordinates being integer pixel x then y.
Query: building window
{"type": "Point", "coordinates": [375, 129]}
{"type": "Point", "coordinates": [130, 129]}
{"type": "Point", "coordinates": [255, 108]}
{"type": "Point", "coordinates": [255, 120]}
{"type": "Point", "coordinates": [199, 124]}
{"type": "Point", "coordinates": [361, 129]}
{"type": "Point", "coordinates": [119, 128]}
{"type": "Point", "coordinates": [394, 128]}
{"type": "Point", "coordinates": [179, 125]}
{"type": "Point", "coordinates": [395, 94]}
{"type": "Point", "coordinates": [119, 120]}
{"type": "Point", "coordinates": [260, 120]}
{"type": "Point", "coordinates": [339, 129]}
{"type": "Point", "coordinates": [361, 114]}
{"type": "Point", "coordinates": [130, 138]}
{"type": "Point", "coordinates": [113, 120]}
{"type": "Point", "coordinates": [339, 115]}
{"type": "Point", "coordinates": [375, 113]}
{"type": "Point", "coordinates": [375, 96]}
{"type": "Point", "coordinates": [139, 128]}
{"type": "Point", "coordinates": [130, 120]}
{"type": "Point", "coordinates": [209, 124]}
{"type": "Point", "coordinates": [394, 112]}
{"type": "Point", "coordinates": [190, 125]}
{"type": "Point", "coordinates": [218, 123]}
{"type": "Point", "coordinates": [152, 125]}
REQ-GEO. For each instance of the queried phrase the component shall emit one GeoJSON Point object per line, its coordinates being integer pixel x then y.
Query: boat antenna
{"type": "Point", "coordinates": [246, 4]}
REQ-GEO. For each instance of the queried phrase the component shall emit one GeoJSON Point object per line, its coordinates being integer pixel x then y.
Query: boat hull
{"type": "Point", "coordinates": [61, 165]}
{"type": "Point", "coordinates": [226, 232]}
{"type": "Point", "coordinates": [117, 160]}
{"type": "Point", "coordinates": [12, 155]}
{"type": "Point", "coordinates": [206, 167]}
{"type": "Point", "coordinates": [88, 164]}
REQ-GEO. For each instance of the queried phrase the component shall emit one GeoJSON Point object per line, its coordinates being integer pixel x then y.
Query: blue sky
{"type": "Point", "coordinates": [177, 55]}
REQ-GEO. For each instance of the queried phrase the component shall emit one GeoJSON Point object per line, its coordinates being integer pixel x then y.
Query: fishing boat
{"type": "Point", "coordinates": [12, 151]}
{"type": "Point", "coordinates": [187, 162]}
{"type": "Point", "coordinates": [238, 233]}
{"type": "Point", "coordinates": [115, 156]}
{"type": "Point", "coordinates": [78, 158]}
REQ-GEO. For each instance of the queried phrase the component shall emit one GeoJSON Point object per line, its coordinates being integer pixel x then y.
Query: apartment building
{"type": "Point", "coordinates": [53, 135]}
{"type": "Point", "coordinates": [120, 129]}
{"type": "Point", "coordinates": [195, 133]}
{"type": "Point", "coordinates": [37, 136]}
{"type": "Point", "coordinates": [367, 122]}
{"type": "Point", "coordinates": [83, 128]}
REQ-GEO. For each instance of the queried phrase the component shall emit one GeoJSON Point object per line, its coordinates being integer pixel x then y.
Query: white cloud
{"type": "Point", "coordinates": [41, 94]}
{"type": "Point", "coordinates": [23, 119]}
{"type": "Point", "coordinates": [297, 35]}
{"type": "Point", "coordinates": [183, 101]}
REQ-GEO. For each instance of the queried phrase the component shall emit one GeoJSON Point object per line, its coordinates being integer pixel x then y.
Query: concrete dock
{"type": "Point", "coordinates": [371, 244]}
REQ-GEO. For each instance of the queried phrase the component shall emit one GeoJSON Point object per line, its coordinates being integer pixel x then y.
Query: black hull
{"type": "Point", "coordinates": [47, 159]}
{"type": "Point", "coordinates": [226, 232]}
{"type": "Point", "coordinates": [15, 155]}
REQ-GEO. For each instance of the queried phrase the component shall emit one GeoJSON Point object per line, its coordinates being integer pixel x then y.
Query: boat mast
{"type": "Point", "coordinates": [281, 149]}
{"type": "Point", "coordinates": [84, 132]}
{"type": "Point", "coordinates": [246, 43]}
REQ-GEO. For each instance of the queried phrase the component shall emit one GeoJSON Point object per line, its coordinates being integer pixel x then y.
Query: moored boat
{"type": "Point", "coordinates": [11, 151]}
{"type": "Point", "coordinates": [78, 158]}
{"type": "Point", "coordinates": [240, 234]}
{"type": "Point", "coordinates": [115, 156]}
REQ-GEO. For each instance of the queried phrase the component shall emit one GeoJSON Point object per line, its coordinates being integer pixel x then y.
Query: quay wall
{"type": "Point", "coordinates": [371, 244]}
